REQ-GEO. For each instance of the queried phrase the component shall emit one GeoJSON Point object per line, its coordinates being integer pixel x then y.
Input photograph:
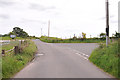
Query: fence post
{"type": "Point", "coordinates": [16, 49]}
{"type": "Point", "coordinates": [25, 42]}
{"type": "Point", "coordinates": [3, 52]}
{"type": "Point", "coordinates": [21, 41]}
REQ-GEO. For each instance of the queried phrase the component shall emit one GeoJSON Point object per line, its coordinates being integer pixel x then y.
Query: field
{"type": "Point", "coordinates": [18, 38]}
{"type": "Point", "coordinates": [8, 38]}
{"type": "Point", "coordinates": [107, 58]}
{"type": "Point", "coordinates": [10, 45]}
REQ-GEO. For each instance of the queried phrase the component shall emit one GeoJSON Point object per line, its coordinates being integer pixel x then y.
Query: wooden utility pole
{"type": "Point", "coordinates": [118, 17]}
{"type": "Point", "coordinates": [90, 36]}
{"type": "Point", "coordinates": [41, 32]}
{"type": "Point", "coordinates": [48, 28]}
{"type": "Point", "coordinates": [107, 22]}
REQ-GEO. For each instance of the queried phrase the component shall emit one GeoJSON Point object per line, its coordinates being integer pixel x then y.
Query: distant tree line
{"type": "Point", "coordinates": [102, 36]}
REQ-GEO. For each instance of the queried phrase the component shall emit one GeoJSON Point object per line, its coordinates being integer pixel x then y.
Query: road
{"type": "Point", "coordinates": [59, 60]}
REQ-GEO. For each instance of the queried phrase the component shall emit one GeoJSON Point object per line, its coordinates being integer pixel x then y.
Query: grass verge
{"type": "Point", "coordinates": [58, 40]}
{"type": "Point", "coordinates": [107, 58]}
{"type": "Point", "coordinates": [14, 63]}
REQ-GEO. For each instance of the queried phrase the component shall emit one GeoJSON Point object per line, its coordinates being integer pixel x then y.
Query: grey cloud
{"type": "Point", "coordinates": [29, 20]}
{"type": "Point", "coordinates": [114, 21]}
{"type": "Point", "coordinates": [4, 16]}
{"type": "Point", "coordinates": [103, 18]}
{"type": "Point", "coordinates": [6, 3]}
{"type": "Point", "coordinates": [41, 7]}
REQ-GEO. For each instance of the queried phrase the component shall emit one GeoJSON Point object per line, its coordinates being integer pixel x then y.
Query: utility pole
{"type": "Point", "coordinates": [90, 36]}
{"type": "Point", "coordinates": [41, 31]}
{"type": "Point", "coordinates": [107, 22]}
{"type": "Point", "coordinates": [48, 28]}
{"type": "Point", "coordinates": [74, 35]}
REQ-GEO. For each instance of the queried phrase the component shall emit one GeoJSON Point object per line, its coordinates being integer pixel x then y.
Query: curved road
{"type": "Point", "coordinates": [62, 60]}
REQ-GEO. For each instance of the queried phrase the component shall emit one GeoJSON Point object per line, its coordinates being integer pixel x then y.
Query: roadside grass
{"type": "Point", "coordinates": [14, 63]}
{"type": "Point", "coordinates": [107, 58]}
{"type": "Point", "coordinates": [58, 40]}
{"type": "Point", "coordinates": [0, 67]}
{"type": "Point", "coordinates": [79, 41]}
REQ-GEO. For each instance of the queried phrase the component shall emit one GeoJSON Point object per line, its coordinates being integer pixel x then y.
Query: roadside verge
{"type": "Point", "coordinates": [12, 64]}
{"type": "Point", "coordinates": [107, 58]}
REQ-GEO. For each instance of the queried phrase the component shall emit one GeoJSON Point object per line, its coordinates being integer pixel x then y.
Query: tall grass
{"type": "Point", "coordinates": [107, 58]}
{"type": "Point", "coordinates": [14, 63]}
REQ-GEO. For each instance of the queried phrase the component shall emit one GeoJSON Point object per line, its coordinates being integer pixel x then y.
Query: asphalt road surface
{"type": "Point", "coordinates": [62, 60]}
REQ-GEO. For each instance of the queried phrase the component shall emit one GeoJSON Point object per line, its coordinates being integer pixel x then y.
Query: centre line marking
{"type": "Point", "coordinates": [82, 56]}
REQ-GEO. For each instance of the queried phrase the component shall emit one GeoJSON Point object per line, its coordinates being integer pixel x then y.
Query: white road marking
{"type": "Point", "coordinates": [40, 54]}
{"type": "Point", "coordinates": [82, 53]}
{"type": "Point", "coordinates": [82, 56]}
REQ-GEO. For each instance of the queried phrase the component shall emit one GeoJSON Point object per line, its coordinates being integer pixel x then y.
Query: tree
{"type": "Point", "coordinates": [117, 35]}
{"type": "Point", "coordinates": [11, 33]}
{"type": "Point", "coordinates": [102, 35]}
{"type": "Point", "coordinates": [113, 35]}
{"type": "Point", "coordinates": [19, 32]}
{"type": "Point", "coordinates": [5, 35]}
{"type": "Point", "coordinates": [74, 38]}
{"type": "Point", "coordinates": [83, 35]}
{"type": "Point", "coordinates": [0, 35]}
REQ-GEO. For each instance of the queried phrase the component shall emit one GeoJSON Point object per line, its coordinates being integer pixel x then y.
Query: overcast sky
{"type": "Point", "coordinates": [67, 17]}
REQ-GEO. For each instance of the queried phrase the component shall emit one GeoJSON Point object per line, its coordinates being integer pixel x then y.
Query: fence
{"type": "Point", "coordinates": [16, 49]}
